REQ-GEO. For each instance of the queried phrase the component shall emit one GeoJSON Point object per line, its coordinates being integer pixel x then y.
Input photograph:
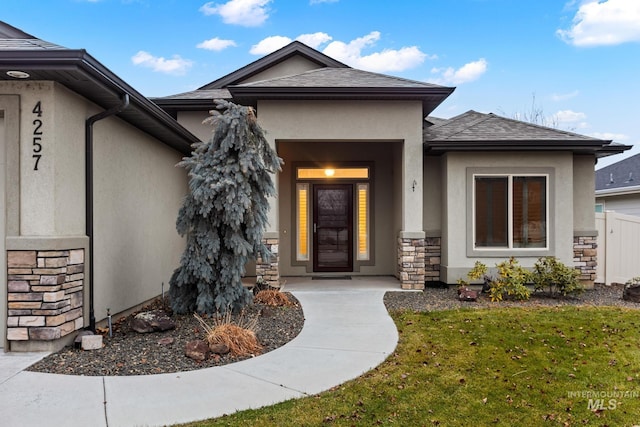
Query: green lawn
{"type": "Point", "coordinates": [501, 366]}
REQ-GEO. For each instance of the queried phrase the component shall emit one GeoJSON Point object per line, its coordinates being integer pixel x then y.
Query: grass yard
{"type": "Point", "coordinates": [502, 366]}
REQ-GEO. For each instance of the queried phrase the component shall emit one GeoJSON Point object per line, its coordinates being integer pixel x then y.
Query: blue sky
{"type": "Point", "coordinates": [577, 60]}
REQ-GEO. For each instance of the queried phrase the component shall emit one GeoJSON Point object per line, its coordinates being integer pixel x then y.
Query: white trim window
{"type": "Point", "coordinates": [510, 211]}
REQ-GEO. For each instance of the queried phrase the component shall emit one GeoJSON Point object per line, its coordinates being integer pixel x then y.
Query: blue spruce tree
{"type": "Point", "coordinates": [225, 213]}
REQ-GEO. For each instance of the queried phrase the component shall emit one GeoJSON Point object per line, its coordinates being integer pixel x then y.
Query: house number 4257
{"type": "Point", "coordinates": [37, 135]}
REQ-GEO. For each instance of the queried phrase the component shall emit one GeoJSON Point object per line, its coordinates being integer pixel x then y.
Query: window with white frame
{"type": "Point", "coordinates": [510, 211]}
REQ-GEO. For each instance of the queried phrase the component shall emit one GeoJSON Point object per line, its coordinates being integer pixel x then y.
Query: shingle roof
{"type": "Point", "coordinates": [475, 126]}
{"type": "Point", "coordinates": [489, 132]}
{"type": "Point", "coordinates": [340, 77]}
{"type": "Point", "coordinates": [199, 94]}
{"type": "Point", "coordinates": [12, 38]}
{"type": "Point", "coordinates": [625, 173]}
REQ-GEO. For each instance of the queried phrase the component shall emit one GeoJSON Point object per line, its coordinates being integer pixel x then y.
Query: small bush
{"type": "Point", "coordinates": [479, 270]}
{"type": "Point", "coordinates": [272, 297]}
{"type": "Point", "coordinates": [511, 282]}
{"type": "Point", "coordinates": [239, 338]}
{"type": "Point", "coordinates": [633, 282]}
{"type": "Point", "coordinates": [551, 275]}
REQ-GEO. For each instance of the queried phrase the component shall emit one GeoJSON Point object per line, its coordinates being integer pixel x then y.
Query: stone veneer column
{"type": "Point", "coordinates": [269, 269]}
{"type": "Point", "coordinates": [585, 258]}
{"type": "Point", "coordinates": [411, 262]}
{"type": "Point", "coordinates": [433, 252]}
{"type": "Point", "coordinates": [44, 293]}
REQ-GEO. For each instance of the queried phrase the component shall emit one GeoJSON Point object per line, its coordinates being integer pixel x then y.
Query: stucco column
{"type": "Point", "coordinates": [411, 241]}
{"type": "Point", "coordinates": [412, 185]}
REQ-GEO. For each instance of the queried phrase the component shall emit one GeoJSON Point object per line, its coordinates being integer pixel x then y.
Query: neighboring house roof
{"type": "Point", "coordinates": [332, 81]}
{"type": "Point", "coordinates": [474, 131]}
{"type": "Point", "coordinates": [619, 178]}
{"type": "Point", "coordinates": [83, 74]}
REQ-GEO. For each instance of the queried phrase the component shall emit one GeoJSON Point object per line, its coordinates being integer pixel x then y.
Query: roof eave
{"type": "Point", "coordinates": [618, 191]}
{"type": "Point", "coordinates": [580, 146]}
{"type": "Point", "coordinates": [80, 65]}
{"type": "Point", "coordinates": [430, 97]}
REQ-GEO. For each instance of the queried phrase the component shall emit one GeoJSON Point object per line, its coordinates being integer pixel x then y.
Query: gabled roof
{"type": "Point", "coordinates": [332, 81]}
{"type": "Point", "coordinates": [621, 175]}
{"type": "Point", "coordinates": [474, 131]}
{"type": "Point", "coordinates": [292, 49]}
{"type": "Point", "coordinates": [83, 74]}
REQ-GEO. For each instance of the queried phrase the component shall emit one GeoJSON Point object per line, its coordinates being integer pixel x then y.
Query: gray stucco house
{"type": "Point", "coordinates": [618, 187]}
{"type": "Point", "coordinates": [372, 183]}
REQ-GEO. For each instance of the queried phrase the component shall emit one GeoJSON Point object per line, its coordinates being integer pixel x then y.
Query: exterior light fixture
{"type": "Point", "coordinates": [329, 172]}
{"type": "Point", "coordinates": [18, 74]}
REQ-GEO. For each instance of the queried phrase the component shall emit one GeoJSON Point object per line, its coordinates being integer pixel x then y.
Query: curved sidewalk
{"type": "Point", "coordinates": [347, 332]}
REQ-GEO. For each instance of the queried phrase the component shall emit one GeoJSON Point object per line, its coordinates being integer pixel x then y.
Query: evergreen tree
{"type": "Point", "coordinates": [225, 213]}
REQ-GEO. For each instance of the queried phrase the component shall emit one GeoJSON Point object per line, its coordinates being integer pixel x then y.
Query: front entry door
{"type": "Point", "coordinates": [333, 227]}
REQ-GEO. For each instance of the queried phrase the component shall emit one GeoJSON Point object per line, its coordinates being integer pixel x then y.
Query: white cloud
{"type": "Point", "coordinates": [351, 53]}
{"type": "Point", "coordinates": [273, 43]}
{"type": "Point", "coordinates": [247, 13]}
{"type": "Point", "coordinates": [270, 44]}
{"type": "Point", "coordinates": [603, 23]}
{"type": "Point", "coordinates": [564, 96]}
{"type": "Point", "coordinates": [612, 136]}
{"type": "Point", "coordinates": [314, 40]}
{"type": "Point", "coordinates": [216, 44]}
{"type": "Point", "coordinates": [467, 73]}
{"type": "Point", "coordinates": [175, 65]}
{"type": "Point", "coordinates": [569, 116]}
{"type": "Point", "coordinates": [383, 61]}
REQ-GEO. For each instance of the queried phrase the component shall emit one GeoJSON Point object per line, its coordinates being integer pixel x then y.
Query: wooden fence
{"type": "Point", "coordinates": [618, 247]}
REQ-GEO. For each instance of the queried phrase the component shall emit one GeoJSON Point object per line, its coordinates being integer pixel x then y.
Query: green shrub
{"type": "Point", "coordinates": [551, 275]}
{"type": "Point", "coordinates": [479, 270]}
{"type": "Point", "coordinates": [511, 282]}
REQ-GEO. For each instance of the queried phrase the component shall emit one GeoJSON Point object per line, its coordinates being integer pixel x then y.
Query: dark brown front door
{"type": "Point", "coordinates": [332, 228]}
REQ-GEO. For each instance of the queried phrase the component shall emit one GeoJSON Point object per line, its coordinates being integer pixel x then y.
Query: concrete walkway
{"type": "Point", "coordinates": [347, 332]}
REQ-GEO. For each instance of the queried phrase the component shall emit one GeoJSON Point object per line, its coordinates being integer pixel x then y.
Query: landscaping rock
{"type": "Point", "coordinates": [152, 321]}
{"type": "Point", "coordinates": [466, 294]}
{"type": "Point", "coordinates": [219, 348]}
{"type": "Point", "coordinates": [91, 342]}
{"type": "Point", "coordinates": [197, 350]}
{"type": "Point", "coordinates": [631, 293]}
{"type": "Point", "coordinates": [166, 341]}
{"type": "Point", "coordinates": [77, 342]}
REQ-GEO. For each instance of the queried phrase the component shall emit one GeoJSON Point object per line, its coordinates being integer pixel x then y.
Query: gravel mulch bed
{"type": "Point", "coordinates": [433, 299]}
{"type": "Point", "coordinates": [132, 353]}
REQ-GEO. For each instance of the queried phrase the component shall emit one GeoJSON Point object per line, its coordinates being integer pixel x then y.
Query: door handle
{"type": "Point", "coordinates": [314, 228]}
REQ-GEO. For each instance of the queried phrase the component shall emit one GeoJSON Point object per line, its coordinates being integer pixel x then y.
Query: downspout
{"type": "Point", "coordinates": [88, 143]}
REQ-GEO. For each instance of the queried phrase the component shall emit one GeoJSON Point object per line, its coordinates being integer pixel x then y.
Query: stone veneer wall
{"type": "Point", "coordinates": [269, 270]}
{"type": "Point", "coordinates": [44, 293]}
{"type": "Point", "coordinates": [411, 262]}
{"type": "Point", "coordinates": [433, 251]}
{"type": "Point", "coordinates": [585, 258]}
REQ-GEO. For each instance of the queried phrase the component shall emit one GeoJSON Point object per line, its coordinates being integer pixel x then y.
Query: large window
{"type": "Point", "coordinates": [510, 211]}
